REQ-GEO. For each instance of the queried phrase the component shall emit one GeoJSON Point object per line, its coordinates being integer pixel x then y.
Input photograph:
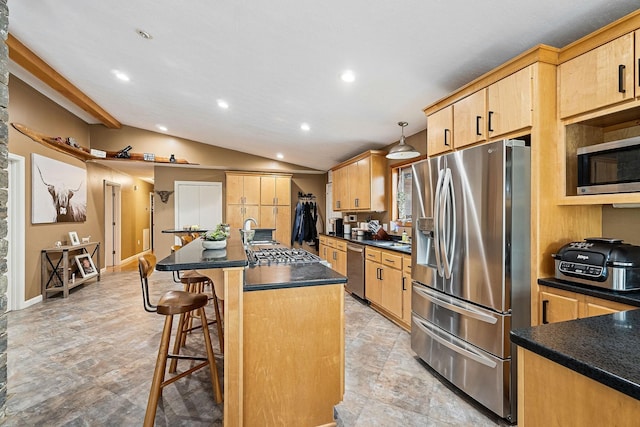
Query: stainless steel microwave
{"type": "Point", "coordinates": [611, 167]}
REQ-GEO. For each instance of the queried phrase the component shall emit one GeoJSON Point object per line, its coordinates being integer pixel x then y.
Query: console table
{"type": "Point", "coordinates": [55, 275]}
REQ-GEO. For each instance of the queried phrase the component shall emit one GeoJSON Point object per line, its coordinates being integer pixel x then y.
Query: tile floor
{"type": "Point", "coordinates": [87, 361]}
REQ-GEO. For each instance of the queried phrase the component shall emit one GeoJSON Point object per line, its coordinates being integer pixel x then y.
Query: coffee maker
{"type": "Point", "coordinates": [337, 224]}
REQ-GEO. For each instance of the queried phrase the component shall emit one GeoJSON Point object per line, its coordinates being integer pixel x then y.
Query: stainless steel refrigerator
{"type": "Point", "coordinates": [470, 267]}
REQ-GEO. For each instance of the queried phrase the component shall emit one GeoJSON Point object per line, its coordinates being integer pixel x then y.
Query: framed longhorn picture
{"type": "Point", "coordinates": [58, 191]}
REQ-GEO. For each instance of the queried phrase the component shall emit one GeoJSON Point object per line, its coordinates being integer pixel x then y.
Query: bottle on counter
{"type": "Point", "coordinates": [405, 236]}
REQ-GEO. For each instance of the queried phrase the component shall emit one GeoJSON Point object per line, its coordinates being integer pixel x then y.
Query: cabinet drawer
{"type": "Point", "coordinates": [341, 245]}
{"type": "Point", "coordinates": [372, 254]}
{"type": "Point", "coordinates": [331, 242]}
{"type": "Point", "coordinates": [392, 260]}
{"type": "Point", "coordinates": [323, 240]}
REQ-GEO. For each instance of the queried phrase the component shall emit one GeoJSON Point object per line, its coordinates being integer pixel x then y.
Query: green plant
{"type": "Point", "coordinates": [219, 233]}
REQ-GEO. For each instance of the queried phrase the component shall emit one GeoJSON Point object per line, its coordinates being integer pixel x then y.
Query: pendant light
{"type": "Point", "coordinates": [402, 150]}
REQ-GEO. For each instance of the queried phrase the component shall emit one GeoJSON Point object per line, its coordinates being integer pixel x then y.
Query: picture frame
{"type": "Point", "coordinates": [86, 267]}
{"type": "Point", "coordinates": [73, 238]}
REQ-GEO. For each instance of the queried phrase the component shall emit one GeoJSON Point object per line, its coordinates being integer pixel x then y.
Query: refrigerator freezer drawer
{"type": "Point", "coordinates": [481, 327]}
{"type": "Point", "coordinates": [482, 376]}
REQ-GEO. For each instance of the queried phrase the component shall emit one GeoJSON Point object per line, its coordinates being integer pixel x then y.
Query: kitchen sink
{"type": "Point", "coordinates": [393, 244]}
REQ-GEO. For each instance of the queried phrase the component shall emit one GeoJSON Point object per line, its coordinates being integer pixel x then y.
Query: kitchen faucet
{"type": "Point", "coordinates": [247, 223]}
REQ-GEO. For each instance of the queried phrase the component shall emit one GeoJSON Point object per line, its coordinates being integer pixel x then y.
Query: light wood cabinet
{"type": "Point", "coordinates": [406, 291]}
{"type": "Point", "coordinates": [360, 183]}
{"type": "Point", "coordinates": [278, 217]}
{"type": "Point", "coordinates": [503, 107]}
{"type": "Point", "coordinates": [440, 131]}
{"type": "Point", "coordinates": [558, 305]}
{"type": "Point", "coordinates": [275, 190]}
{"type": "Point", "coordinates": [510, 103]}
{"type": "Point", "coordinates": [550, 394]}
{"type": "Point", "coordinates": [334, 251]}
{"type": "Point", "coordinates": [384, 282]}
{"type": "Point", "coordinates": [323, 249]}
{"type": "Point", "coordinates": [470, 118]}
{"type": "Point", "coordinates": [598, 78]}
{"type": "Point", "coordinates": [263, 197]}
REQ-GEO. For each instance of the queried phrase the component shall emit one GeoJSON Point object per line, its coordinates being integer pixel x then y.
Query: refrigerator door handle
{"type": "Point", "coordinates": [447, 243]}
{"type": "Point", "coordinates": [436, 226]}
{"type": "Point", "coordinates": [466, 352]}
{"type": "Point", "coordinates": [463, 309]}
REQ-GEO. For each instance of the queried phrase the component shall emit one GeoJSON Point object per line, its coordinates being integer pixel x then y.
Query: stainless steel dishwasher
{"type": "Point", "coordinates": [355, 269]}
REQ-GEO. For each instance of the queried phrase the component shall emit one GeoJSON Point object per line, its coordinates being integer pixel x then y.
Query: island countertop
{"type": "Point", "coordinates": [603, 348]}
{"type": "Point", "coordinates": [280, 276]}
{"type": "Point", "coordinates": [194, 257]}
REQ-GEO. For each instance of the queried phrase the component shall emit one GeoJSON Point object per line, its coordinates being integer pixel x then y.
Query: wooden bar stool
{"type": "Point", "coordinates": [170, 304]}
{"type": "Point", "coordinates": [195, 283]}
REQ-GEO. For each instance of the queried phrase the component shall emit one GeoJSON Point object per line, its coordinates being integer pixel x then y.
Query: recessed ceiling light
{"type": "Point", "coordinates": [120, 75]}
{"type": "Point", "coordinates": [280, 156]}
{"type": "Point", "coordinates": [305, 127]}
{"type": "Point", "coordinates": [348, 76]}
{"type": "Point", "coordinates": [144, 34]}
{"type": "Point", "coordinates": [223, 104]}
{"type": "Point", "coordinates": [163, 128]}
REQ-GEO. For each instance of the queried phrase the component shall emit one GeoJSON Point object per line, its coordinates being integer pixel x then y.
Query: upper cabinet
{"type": "Point", "coordinates": [503, 107]}
{"type": "Point", "coordinates": [510, 103]}
{"type": "Point", "coordinates": [360, 183]}
{"type": "Point", "coordinates": [470, 117]}
{"type": "Point", "coordinates": [440, 131]}
{"type": "Point", "coordinates": [275, 190]}
{"type": "Point", "coordinates": [598, 78]}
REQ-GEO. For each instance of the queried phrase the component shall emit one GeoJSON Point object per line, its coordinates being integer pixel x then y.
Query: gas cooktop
{"type": "Point", "coordinates": [281, 255]}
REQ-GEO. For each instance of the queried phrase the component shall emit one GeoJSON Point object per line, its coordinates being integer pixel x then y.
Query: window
{"type": "Point", "coordinates": [402, 182]}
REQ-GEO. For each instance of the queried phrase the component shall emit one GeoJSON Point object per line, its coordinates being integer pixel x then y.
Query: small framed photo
{"type": "Point", "coordinates": [73, 238]}
{"type": "Point", "coordinates": [85, 265]}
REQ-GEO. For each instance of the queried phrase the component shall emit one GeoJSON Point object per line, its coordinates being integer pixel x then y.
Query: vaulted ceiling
{"type": "Point", "coordinates": [278, 64]}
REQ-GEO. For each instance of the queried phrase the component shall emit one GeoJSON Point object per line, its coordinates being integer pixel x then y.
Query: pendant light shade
{"type": "Point", "coordinates": [402, 150]}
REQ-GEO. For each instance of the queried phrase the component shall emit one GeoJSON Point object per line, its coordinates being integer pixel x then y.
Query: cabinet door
{"type": "Point", "coordinates": [323, 252]}
{"type": "Point", "coordinates": [275, 190]}
{"type": "Point", "coordinates": [440, 131]}
{"type": "Point", "coordinates": [283, 224]}
{"type": "Point", "coordinates": [360, 184]}
{"type": "Point", "coordinates": [373, 285]}
{"type": "Point", "coordinates": [558, 306]}
{"type": "Point", "coordinates": [340, 189]}
{"type": "Point", "coordinates": [235, 190]}
{"type": "Point", "coordinates": [469, 118]}
{"type": "Point", "coordinates": [598, 78]}
{"type": "Point", "coordinates": [406, 290]}
{"type": "Point", "coordinates": [392, 290]}
{"type": "Point", "coordinates": [236, 214]}
{"type": "Point", "coordinates": [596, 306]}
{"type": "Point", "coordinates": [510, 103]}
{"type": "Point", "coordinates": [251, 189]}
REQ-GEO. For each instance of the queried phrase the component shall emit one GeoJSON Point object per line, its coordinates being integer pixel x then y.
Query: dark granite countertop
{"type": "Point", "coordinates": [194, 256]}
{"type": "Point", "coordinates": [264, 277]}
{"type": "Point", "coordinates": [394, 245]}
{"type": "Point", "coordinates": [627, 297]}
{"type": "Point", "coordinates": [603, 348]}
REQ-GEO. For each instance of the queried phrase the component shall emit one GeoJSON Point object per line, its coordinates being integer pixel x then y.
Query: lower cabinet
{"type": "Point", "coordinates": [386, 285]}
{"type": "Point", "coordinates": [558, 305]}
{"type": "Point", "coordinates": [406, 290]}
{"type": "Point", "coordinates": [335, 252]}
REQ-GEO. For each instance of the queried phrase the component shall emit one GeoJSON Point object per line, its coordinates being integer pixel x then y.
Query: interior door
{"type": "Point", "coordinates": [198, 203]}
{"type": "Point", "coordinates": [112, 225]}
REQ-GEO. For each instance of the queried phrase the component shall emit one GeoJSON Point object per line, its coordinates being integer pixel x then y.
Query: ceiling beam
{"type": "Point", "coordinates": [31, 62]}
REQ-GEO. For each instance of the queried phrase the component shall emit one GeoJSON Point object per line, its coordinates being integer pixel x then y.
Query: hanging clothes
{"type": "Point", "coordinates": [304, 223]}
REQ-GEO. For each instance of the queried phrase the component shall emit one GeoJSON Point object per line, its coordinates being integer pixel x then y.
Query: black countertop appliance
{"type": "Point", "coordinates": [599, 261]}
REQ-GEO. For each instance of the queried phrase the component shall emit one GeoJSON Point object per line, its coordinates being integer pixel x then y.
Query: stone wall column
{"type": "Point", "coordinates": [4, 188]}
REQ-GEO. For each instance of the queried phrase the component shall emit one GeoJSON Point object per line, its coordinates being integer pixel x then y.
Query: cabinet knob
{"type": "Point", "coordinates": [489, 124]}
{"type": "Point", "coordinates": [545, 305]}
{"type": "Point", "coordinates": [621, 69]}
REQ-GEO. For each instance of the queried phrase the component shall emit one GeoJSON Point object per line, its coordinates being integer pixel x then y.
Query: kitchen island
{"type": "Point", "coordinates": [284, 336]}
{"type": "Point", "coordinates": [580, 372]}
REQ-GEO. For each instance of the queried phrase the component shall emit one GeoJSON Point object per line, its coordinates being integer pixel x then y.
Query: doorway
{"type": "Point", "coordinates": [112, 225]}
{"type": "Point", "coordinates": [15, 233]}
{"type": "Point", "coordinates": [198, 203]}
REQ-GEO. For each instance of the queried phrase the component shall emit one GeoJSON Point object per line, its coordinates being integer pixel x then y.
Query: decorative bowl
{"type": "Point", "coordinates": [214, 244]}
